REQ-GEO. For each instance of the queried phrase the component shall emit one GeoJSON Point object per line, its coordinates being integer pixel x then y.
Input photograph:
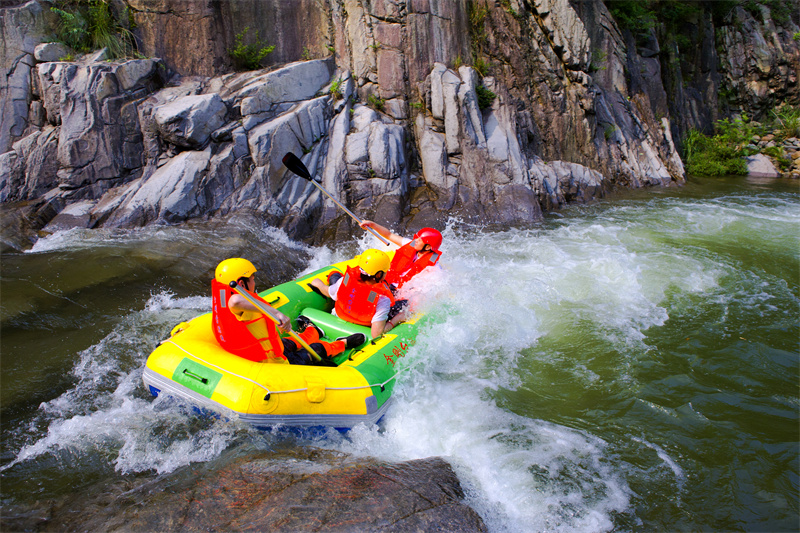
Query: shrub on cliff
{"type": "Point", "coordinates": [87, 25]}
{"type": "Point", "coordinates": [248, 56]}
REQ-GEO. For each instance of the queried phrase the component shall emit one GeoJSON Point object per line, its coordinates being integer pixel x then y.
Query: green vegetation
{"type": "Point", "coordinates": [717, 155]}
{"type": "Point", "coordinates": [485, 97]}
{"type": "Point", "coordinates": [642, 16]}
{"type": "Point", "coordinates": [336, 89]}
{"type": "Point", "coordinates": [780, 10]}
{"type": "Point", "coordinates": [724, 152]}
{"type": "Point", "coordinates": [375, 102]}
{"type": "Point", "coordinates": [599, 57]}
{"type": "Point", "coordinates": [87, 25]}
{"type": "Point", "coordinates": [478, 13]}
{"type": "Point", "coordinates": [248, 56]}
{"type": "Point", "coordinates": [787, 121]}
{"type": "Point", "coordinates": [480, 65]}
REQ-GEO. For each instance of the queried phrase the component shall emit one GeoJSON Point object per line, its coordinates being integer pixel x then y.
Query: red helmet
{"type": "Point", "coordinates": [430, 236]}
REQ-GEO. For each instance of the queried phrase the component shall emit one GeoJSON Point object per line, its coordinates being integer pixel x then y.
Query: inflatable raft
{"type": "Point", "coordinates": [193, 366]}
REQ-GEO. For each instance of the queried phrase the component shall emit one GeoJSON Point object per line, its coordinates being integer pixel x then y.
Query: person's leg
{"type": "Point", "coordinates": [295, 354]}
{"type": "Point", "coordinates": [311, 337]}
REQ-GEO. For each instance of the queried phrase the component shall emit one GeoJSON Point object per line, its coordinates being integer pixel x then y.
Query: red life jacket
{"type": "Point", "coordinates": [356, 300]}
{"type": "Point", "coordinates": [404, 267]}
{"type": "Point", "coordinates": [237, 336]}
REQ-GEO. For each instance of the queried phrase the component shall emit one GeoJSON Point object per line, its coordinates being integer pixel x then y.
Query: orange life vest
{"type": "Point", "coordinates": [404, 267]}
{"type": "Point", "coordinates": [356, 301]}
{"type": "Point", "coordinates": [251, 339]}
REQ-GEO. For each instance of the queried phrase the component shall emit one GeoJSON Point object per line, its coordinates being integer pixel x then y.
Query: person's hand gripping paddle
{"type": "Point", "coordinates": [270, 313]}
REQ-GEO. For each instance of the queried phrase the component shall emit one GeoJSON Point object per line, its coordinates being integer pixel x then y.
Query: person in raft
{"type": "Point", "coordinates": [413, 256]}
{"type": "Point", "coordinates": [362, 295]}
{"type": "Point", "coordinates": [242, 329]}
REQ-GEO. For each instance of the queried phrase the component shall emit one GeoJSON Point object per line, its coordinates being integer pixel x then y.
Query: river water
{"type": "Point", "coordinates": [631, 365]}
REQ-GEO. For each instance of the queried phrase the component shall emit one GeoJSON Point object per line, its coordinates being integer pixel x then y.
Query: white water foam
{"type": "Point", "coordinates": [108, 408]}
{"type": "Point", "coordinates": [497, 296]}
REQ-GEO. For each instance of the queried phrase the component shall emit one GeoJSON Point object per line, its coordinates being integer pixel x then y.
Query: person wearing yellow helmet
{"type": "Point", "coordinates": [362, 296]}
{"type": "Point", "coordinates": [413, 255]}
{"type": "Point", "coordinates": [242, 329]}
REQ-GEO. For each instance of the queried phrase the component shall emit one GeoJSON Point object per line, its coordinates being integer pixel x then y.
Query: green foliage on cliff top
{"type": "Point", "coordinates": [87, 25]}
{"type": "Point", "coordinates": [640, 16]}
{"type": "Point", "coordinates": [248, 56]}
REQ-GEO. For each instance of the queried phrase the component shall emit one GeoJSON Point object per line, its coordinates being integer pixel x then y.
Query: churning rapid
{"type": "Point", "coordinates": [629, 365]}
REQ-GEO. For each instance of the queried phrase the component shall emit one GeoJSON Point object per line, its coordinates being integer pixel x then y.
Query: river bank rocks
{"type": "Point", "coordinates": [783, 159]}
{"type": "Point", "coordinates": [303, 489]}
{"type": "Point", "coordinates": [410, 113]}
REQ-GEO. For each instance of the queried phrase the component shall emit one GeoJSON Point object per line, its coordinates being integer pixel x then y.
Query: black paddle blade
{"type": "Point", "coordinates": [294, 164]}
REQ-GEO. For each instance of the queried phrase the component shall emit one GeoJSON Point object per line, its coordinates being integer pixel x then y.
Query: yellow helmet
{"type": "Point", "coordinates": [233, 269]}
{"type": "Point", "coordinates": [373, 261]}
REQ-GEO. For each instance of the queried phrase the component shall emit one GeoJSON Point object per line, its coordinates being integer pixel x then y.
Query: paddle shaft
{"type": "Point", "coordinates": [270, 313]}
{"type": "Point", "coordinates": [294, 164]}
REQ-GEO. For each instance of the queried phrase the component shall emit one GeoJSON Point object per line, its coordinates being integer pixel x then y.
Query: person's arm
{"type": "Point", "coordinates": [377, 329]}
{"type": "Point", "coordinates": [384, 232]}
{"type": "Point", "coordinates": [238, 304]}
{"type": "Point", "coordinates": [379, 319]}
{"type": "Point", "coordinates": [322, 286]}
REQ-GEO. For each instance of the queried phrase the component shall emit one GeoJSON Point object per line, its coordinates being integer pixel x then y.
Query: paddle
{"type": "Point", "coordinates": [294, 164]}
{"type": "Point", "coordinates": [270, 313]}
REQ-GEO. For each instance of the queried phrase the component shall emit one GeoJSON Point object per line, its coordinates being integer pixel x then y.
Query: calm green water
{"type": "Point", "coordinates": [633, 365]}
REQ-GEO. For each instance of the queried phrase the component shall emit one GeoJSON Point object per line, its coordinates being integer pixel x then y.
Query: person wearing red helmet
{"type": "Point", "coordinates": [413, 255]}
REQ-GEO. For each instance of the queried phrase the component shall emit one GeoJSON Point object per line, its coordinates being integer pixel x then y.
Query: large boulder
{"type": "Point", "coordinates": [298, 490]}
{"type": "Point", "coordinates": [760, 166]}
{"type": "Point", "coordinates": [188, 122]}
{"type": "Point", "coordinates": [100, 139]}
{"type": "Point", "coordinates": [170, 194]}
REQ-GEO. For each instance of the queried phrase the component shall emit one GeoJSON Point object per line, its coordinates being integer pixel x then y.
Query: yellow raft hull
{"type": "Point", "coordinates": [191, 365]}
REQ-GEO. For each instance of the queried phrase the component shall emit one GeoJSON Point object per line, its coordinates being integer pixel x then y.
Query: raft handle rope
{"type": "Point", "coordinates": [201, 379]}
{"type": "Point", "coordinates": [382, 386]}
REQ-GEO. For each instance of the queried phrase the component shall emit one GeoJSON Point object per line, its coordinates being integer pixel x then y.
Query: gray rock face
{"type": "Point", "coordinates": [387, 126]}
{"type": "Point", "coordinates": [47, 52]}
{"type": "Point", "coordinates": [21, 30]}
{"type": "Point", "coordinates": [188, 122]}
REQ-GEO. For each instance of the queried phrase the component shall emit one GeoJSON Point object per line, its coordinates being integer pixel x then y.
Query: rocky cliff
{"type": "Point", "coordinates": [409, 112]}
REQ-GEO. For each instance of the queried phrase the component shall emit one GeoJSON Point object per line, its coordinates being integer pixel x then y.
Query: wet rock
{"type": "Point", "coordinates": [298, 490]}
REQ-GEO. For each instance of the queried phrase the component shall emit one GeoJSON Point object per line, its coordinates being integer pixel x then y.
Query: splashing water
{"type": "Point", "coordinates": [611, 369]}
